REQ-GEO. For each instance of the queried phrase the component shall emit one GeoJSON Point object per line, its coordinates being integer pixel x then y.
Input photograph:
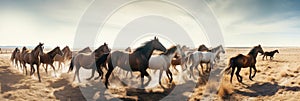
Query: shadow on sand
{"type": "Point", "coordinates": [265, 89]}
{"type": "Point", "coordinates": [8, 77]}
{"type": "Point", "coordinates": [67, 91]}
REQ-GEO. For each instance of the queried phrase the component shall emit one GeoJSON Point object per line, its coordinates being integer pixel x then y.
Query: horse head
{"type": "Point", "coordinates": [157, 45]}
{"type": "Point", "coordinates": [276, 51]}
{"type": "Point", "coordinates": [259, 49]}
{"type": "Point", "coordinates": [103, 49]}
{"type": "Point", "coordinates": [58, 51]}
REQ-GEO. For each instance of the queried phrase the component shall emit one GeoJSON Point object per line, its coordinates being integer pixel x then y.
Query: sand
{"type": "Point", "coordinates": [275, 80]}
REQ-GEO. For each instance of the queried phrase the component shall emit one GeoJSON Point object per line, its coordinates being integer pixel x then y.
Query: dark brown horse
{"type": "Point", "coordinates": [48, 58]}
{"type": "Point", "coordinates": [13, 56]}
{"type": "Point", "coordinates": [243, 61]}
{"type": "Point", "coordinates": [33, 58]}
{"type": "Point", "coordinates": [203, 48]}
{"type": "Point", "coordinates": [271, 54]}
{"type": "Point", "coordinates": [21, 57]}
{"type": "Point", "coordinates": [135, 61]}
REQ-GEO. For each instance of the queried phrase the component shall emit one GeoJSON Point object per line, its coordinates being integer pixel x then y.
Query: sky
{"type": "Point", "coordinates": [244, 23]}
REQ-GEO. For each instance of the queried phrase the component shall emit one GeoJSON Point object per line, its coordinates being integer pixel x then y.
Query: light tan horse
{"type": "Point", "coordinates": [33, 58]}
{"type": "Point", "coordinates": [48, 58]}
{"type": "Point", "coordinates": [85, 50]}
{"type": "Point", "coordinates": [86, 60]}
{"type": "Point", "coordinates": [67, 55]}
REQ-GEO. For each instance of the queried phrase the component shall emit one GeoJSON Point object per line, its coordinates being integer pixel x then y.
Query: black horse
{"type": "Point", "coordinates": [135, 61]}
{"type": "Point", "coordinates": [271, 54]}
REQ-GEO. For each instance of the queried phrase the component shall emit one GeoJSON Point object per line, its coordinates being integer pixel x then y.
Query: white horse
{"type": "Point", "coordinates": [209, 58]}
{"type": "Point", "coordinates": [162, 62]}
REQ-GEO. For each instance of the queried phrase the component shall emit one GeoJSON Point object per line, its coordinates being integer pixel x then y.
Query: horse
{"type": "Point", "coordinates": [203, 48]}
{"type": "Point", "coordinates": [162, 62]}
{"type": "Point", "coordinates": [180, 58]}
{"type": "Point", "coordinates": [18, 58]}
{"type": "Point", "coordinates": [97, 66]}
{"type": "Point", "coordinates": [210, 57]}
{"type": "Point", "coordinates": [217, 51]}
{"type": "Point", "coordinates": [128, 49]}
{"type": "Point", "coordinates": [85, 60]}
{"type": "Point", "coordinates": [271, 54]}
{"type": "Point", "coordinates": [32, 58]}
{"type": "Point", "coordinates": [244, 61]}
{"type": "Point", "coordinates": [85, 50]}
{"type": "Point", "coordinates": [138, 60]}
{"type": "Point", "coordinates": [67, 55]}
{"type": "Point", "coordinates": [48, 58]}
{"type": "Point", "coordinates": [13, 56]}
{"type": "Point", "coordinates": [21, 57]}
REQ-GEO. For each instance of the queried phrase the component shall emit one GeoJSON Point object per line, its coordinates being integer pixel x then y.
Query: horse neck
{"type": "Point", "coordinates": [147, 52]}
{"type": "Point", "coordinates": [34, 53]}
{"type": "Point", "coordinates": [253, 53]}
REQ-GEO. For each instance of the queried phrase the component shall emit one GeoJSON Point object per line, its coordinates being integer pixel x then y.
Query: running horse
{"type": "Point", "coordinates": [48, 58]}
{"type": "Point", "coordinates": [243, 61]}
{"type": "Point", "coordinates": [87, 60]}
{"type": "Point", "coordinates": [138, 60]}
{"type": "Point", "coordinates": [33, 58]}
{"type": "Point", "coordinates": [13, 56]}
{"type": "Point", "coordinates": [67, 55]}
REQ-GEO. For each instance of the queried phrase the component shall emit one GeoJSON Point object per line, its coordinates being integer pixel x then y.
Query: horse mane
{"type": "Point", "coordinates": [66, 48]}
{"type": "Point", "coordinates": [170, 51]}
{"type": "Point", "coordinates": [252, 50]}
{"type": "Point", "coordinates": [145, 46]}
{"type": "Point", "coordinates": [52, 50]}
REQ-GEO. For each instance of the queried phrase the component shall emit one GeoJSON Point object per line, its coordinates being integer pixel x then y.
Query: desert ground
{"type": "Point", "coordinates": [277, 79]}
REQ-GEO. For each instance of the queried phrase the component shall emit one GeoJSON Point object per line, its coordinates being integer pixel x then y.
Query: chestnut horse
{"type": "Point", "coordinates": [243, 61]}
{"type": "Point", "coordinates": [138, 60]}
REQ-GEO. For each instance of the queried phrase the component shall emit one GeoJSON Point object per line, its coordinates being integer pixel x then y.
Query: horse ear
{"type": "Point", "coordinates": [259, 45]}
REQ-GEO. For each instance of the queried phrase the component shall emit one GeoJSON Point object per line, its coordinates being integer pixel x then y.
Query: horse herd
{"type": "Point", "coordinates": [138, 60]}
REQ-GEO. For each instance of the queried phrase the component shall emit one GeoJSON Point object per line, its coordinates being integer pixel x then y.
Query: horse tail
{"type": "Point", "coordinates": [230, 65]}
{"type": "Point", "coordinates": [71, 65]}
{"type": "Point", "coordinates": [189, 59]}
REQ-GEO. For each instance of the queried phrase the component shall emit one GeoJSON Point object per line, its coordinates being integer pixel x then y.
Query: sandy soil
{"type": "Point", "coordinates": [275, 80]}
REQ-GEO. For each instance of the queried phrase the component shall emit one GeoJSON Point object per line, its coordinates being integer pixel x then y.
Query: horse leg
{"type": "Point", "coordinates": [263, 57]}
{"type": "Point", "coordinates": [148, 76]}
{"type": "Point", "coordinates": [232, 73]}
{"type": "Point", "coordinates": [109, 71]}
{"type": "Point", "coordinates": [254, 67]}
{"type": "Point", "coordinates": [51, 64]}
{"type": "Point", "coordinates": [250, 74]}
{"type": "Point", "coordinates": [25, 68]}
{"type": "Point", "coordinates": [100, 72]}
{"type": "Point", "coordinates": [46, 69]}
{"type": "Point", "coordinates": [77, 72]}
{"type": "Point", "coordinates": [159, 78]}
{"type": "Point", "coordinates": [201, 68]}
{"type": "Point", "coordinates": [38, 72]}
{"type": "Point", "coordinates": [32, 70]}
{"type": "Point", "coordinates": [93, 72]}
{"type": "Point", "coordinates": [237, 73]}
{"type": "Point", "coordinates": [170, 74]}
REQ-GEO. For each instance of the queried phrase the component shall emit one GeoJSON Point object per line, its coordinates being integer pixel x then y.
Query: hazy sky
{"type": "Point", "coordinates": [243, 22]}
